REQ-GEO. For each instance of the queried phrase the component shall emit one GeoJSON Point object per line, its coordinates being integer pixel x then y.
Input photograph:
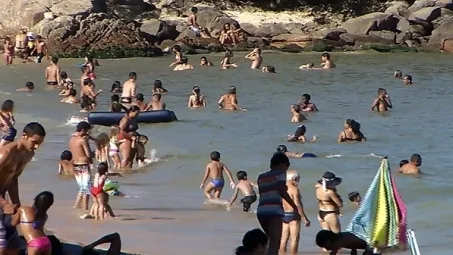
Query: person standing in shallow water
{"type": "Point", "coordinates": [272, 190]}
{"type": "Point", "coordinates": [53, 75]}
{"type": "Point", "coordinates": [306, 105]}
{"type": "Point", "coordinates": [413, 167]}
{"type": "Point", "coordinates": [14, 157]}
{"type": "Point", "coordinates": [382, 103]}
{"type": "Point", "coordinates": [327, 63]}
{"type": "Point", "coordinates": [229, 101]}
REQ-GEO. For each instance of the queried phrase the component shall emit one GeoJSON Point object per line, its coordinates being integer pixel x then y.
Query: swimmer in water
{"type": "Point", "coordinates": [115, 105]}
{"type": "Point", "coordinates": [413, 167]}
{"type": "Point", "coordinates": [52, 74]}
{"type": "Point", "coordinates": [355, 198]}
{"type": "Point", "coordinates": [204, 62]}
{"type": "Point", "coordinates": [402, 163]}
{"type": "Point", "coordinates": [139, 98]}
{"type": "Point", "coordinates": [297, 116]}
{"type": "Point", "coordinates": [268, 69]}
{"type": "Point", "coordinates": [29, 87]}
{"type": "Point", "coordinates": [86, 104]}
{"type": "Point", "coordinates": [178, 55]}
{"type": "Point", "coordinates": [382, 103]}
{"type": "Point", "coordinates": [291, 225]}
{"type": "Point", "coordinates": [226, 61]}
{"type": "Point", "coordinates": [158, 88]}
{"type": "Point", "coordinates": [398, 74]}
{"type": "Point", "coordinates": [256, 58]}
{"type": "Point", "coordinates": [196, 100]}
{"type": "Point", "coordinates": [351, 132]}
{"type": "Point", "coordinates": [71, 98]}
{"type": "Point", "coordinates": [66, 164]}
{"type": "Point", "coordinates": [246, 188]}
{"type": "Point", "coordinates": [306, 105]}
{"type": "Point", "coordinates": [334, 242]}
{"type": "Point", "coordinates": [307, 66]}
{"type": "Point", "coordinates": [229, 101]}
{"type": "Point", "coordinates": [65, 80]}
{"type": "Point", "coordinates": [407, 80]}
{"type": "Point", "coordinates": [184, 65]}
{"type": "Point", "coordinates": [284, 149]}
{"type": "Point", "coordinates": [327, 63]}
{"type": "Point", "coordinates": [299, 135]}
{"type": "Point", "coordinates": [214, 170]}
{"type": "Point", "coordinates": [116, 87]}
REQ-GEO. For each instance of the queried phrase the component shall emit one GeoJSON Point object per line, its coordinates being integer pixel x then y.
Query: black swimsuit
{"type": "Point", "coordinates": [323, 214]}
{"type": "Point", "coordinates": [346, 138]}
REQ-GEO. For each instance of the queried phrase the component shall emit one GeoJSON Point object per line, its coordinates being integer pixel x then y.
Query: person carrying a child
{"type": "Point", "coordinates": [100, 197]}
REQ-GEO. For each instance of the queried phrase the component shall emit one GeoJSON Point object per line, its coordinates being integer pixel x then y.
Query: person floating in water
{"type": "Point", "coordinates": [283, 149]}
{"type": "Point", "coordinates": [299, 135]}
{"type": "Point", "coordinates": [297, 116]}
{"type": "Point", "coordinates": [214, 170]}
{"type": "Point", "coordinates": [268, 69]}
{"type": "Point", "coordinates": [246, 187]}
{"type": "Point", "coordinates": [407, 80]}
{"type": "Point", "coordinates": [333, 242]}
{"type": "Point", "coordinates": [327, 63]}
{"type": "Point", "coordinates": [382, 103]}
{"type": "Point", "coordinates": [307, 66]}
{"type": "Point", "coordinates": [355, 198]}
{"type": "Point", "coordinates": [412, 167]}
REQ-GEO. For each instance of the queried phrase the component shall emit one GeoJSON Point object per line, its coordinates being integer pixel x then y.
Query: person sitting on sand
{"type": "Point", "coordinates": [66, 164]}
{"type": "Point", "coordinates": [327, 63]}
{"type": "Point", "coordinates": [335, 241]}
{"type": "Point", "coordinates": [306, 105]}
{"type": "Point", "coordinates": [29, 87]}
{"type": "Point", "coordinates": [297, 116]}
{"type": "Point", "coordinates": [299, 135]}
{"type": "Point", "coordinates": [254, 242]}
{"type": "Point", "coordinates": [158, 87]}
{"type": "Point", "coordinates": [115, 245]}
{"type": "Point", "coordinates": [226, 61]}
{"type": "Point", "coordinates": [229, 101]}
{"type": "Point", "coordinates": [407, 80]}
{"type": "Point", "coordinates": [204, 62]}
{"type": "Point", "coordinates": [246, 187]}
{"type": "Point", "coordinates": [71, 98]}
{"type": "Point", "coordinates": [196, 100]}
{"type": "Point", "coordinates": [256, 58]}
{"type": "Point", "coordinates": [31, 220]}
{"type": "Point", "coordinates": [351, 132]}
{"type": "Point", "coordinates": [184, 65]}
{"type": "Point", "coordinates": [194, 26]}
{"type": "Point", "coordinates": [291, 154]}
{"type": "Point", "coordinates": [116, 87]}
{"type": "Point", "coordinates": [268, 69]}
{"type": "Point", "coordinates": [307, 66]}
{"type": "Point", "coordinates": [226, 37]}
{"type": "Point", "coordinates": [413, 167]}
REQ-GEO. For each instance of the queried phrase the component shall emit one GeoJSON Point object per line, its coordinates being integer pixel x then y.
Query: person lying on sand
{"type": "Point", "coordinates": [113, 239]}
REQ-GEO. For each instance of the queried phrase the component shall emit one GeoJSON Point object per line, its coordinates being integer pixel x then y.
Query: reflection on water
{"type": "Point", "coordinates": [169, 188]}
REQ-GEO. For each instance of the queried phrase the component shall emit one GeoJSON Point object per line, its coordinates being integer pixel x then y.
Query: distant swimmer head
{"type": "Point", "coordinates": [268, 69]}
{"type": "Point", "coordinates": [398, 74]}
{"type": "Point", "coordinates": [157, 84]}
{"type": "Point", "coordinates": [196, 89]}
{"type": "Point", "coordinates": [30, 85]}
{"type": "Point", "coordinates": [232, 90]}
{"type": "Point", "coordinates": [325, 56]}
{"type": "Point", "coordinates": [116, 87]}
{"type": "Point", "coordinates": [72, 92]}
{"type": "Point", "coordinates": [293, 175]}
{"type": "Point", "coordinates": [282, 149]}
{"type": "Point", "coordinates": [306, 98]}
{"type": "Point", "coordinates": [300, 131]}
{"type": "Point", "coordinates": [404, 162]}
{"type": "Point", "coordinates": [215, 156]}
{"type": "Point", "coordinates": [416, 159]}
{"type": "Point", "coordinates": [354, 197]}
{"type": "Point", "coordinates": [66, 155]}
{"type": "Point", "coordinates": [140, 97]}
{"type": "Point", "coordinates": [241, 175]}
{"type": "Point", "coordinates": [229, 54]}
{"type": "Point", "coordinates": [407, 79]}
{"type": "Point", "coordinates": [176, 48]}
{"type": "Point", "coordinates": [311, 65]}
{"type": "Point", "coordinates": [254, 242]}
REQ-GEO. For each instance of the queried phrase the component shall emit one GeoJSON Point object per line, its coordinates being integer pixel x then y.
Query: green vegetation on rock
{"type": "Point", "coordinates": [113, 52]}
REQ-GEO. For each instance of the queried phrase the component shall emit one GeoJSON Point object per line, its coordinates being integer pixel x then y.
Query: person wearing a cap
{"type": "Point", "coordinates": [21, 44]}
{"type": "Point", "coordinates": [229, 101]}
{"type": "Point", "coordinates": [329, 202]}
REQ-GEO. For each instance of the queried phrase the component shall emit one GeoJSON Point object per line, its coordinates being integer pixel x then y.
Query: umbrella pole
{"type": "Point", "coordinates": [413, 245]}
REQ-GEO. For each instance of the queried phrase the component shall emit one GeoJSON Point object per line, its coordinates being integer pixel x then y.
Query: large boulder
{"type": "Point", "coordinates": [249, 28]}
{"type": "Point", "coordinates": [441, 33]}
{"type": "Point", "coordinates": [330, 33]}
{"type": "Point", "coordinates": [160, 30]}
{"type": "Point", "coordinates": [386, 35]}
{"type": "Point", "coordinates": [270, 30]}
{"type": "Point", "coordinates": [428, 14]}
{"type": "Point", "coordinates": [371, 22]}
{"type": "Point", "coordinates": [400, 8]}
{"type": "Point", "coordinates": [71, 7]}
{"type": "Point", "coordinates": [291, 38]}
{"type": "Point", "coordinates": [420, 4]}
{"type": "Point", "coordinates": [46, 26]}
{"type": "Point", "coordinates": [213, 19]}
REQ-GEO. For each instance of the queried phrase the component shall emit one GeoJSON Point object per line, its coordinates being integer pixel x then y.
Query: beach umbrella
{"type": "Point", "coordinates": [381, 219]}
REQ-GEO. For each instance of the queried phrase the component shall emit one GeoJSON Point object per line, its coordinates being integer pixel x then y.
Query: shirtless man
{"type": "Point", "coordinates": [156, 104]}
{"type": "Point", "coordinates": [229, 101]}
{"type": "Point", "coordinates": [82, 160]}
{"type": "Point", "coordinates": [21, 47]}
{"type": "Point", "coordinates": [214, 170]}
{"type": "Point", "coordinates": [88, 90]}
{"type": "Point", "coordinates": [184, 65]}
{"type": "Point", "coordinates": [194, 26]}
{"type": "Point", "coordinates": [326, 62]}
{"type": "Point", "coordinates": [129, 88]}
{"type": "Point", "coordinates": [291, 225]}
{"type": "Point", "coordinates": [13, 159]}
{"type": "Point", "coordinates": [255, 57]}
{"type": "Point", "coordinates": [413, 167]}
{"type": "Point", "coordinates": [41, 49]}
{"type": "Point", "coordinates": [382, 103]}
{"type": "Point", "coordinates": [53, 72]}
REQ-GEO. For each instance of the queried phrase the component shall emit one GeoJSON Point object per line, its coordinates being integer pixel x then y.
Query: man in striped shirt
{"type": "Point", "coordinates": [272, 189]}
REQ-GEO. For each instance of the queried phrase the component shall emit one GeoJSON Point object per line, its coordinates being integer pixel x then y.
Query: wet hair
{"type": "Point", "coordinates": [42, 202]}
{"type": "Point", "coordinates": [252, 240]}
{"type": "Point", "coordinates": [232, 90]}
{"type": "Point", "coordinates": [184, 60]}
{"type": "Point", "coordinates": [55, 60]}
{"type": "Point", "coordinates": [307, 97]}
{"type": "Point", "coordinates": [30, 85]}
{"type": "Point", "coordinates": [355, 127]}
{"type": "Point", "coordinates": [296, 108]}
{"type": "Point", "coordinates": [408, 77]}
{"type": "Point", "coordinates": [241, 175]}
{"type": "Point", "coordinates": [282, 149]}
{"type": "Point", "coordinates": [103, 168]}
{"type": "Point", "coordinates": [102, 139]}
{"type": "Point", "coordinates": [72, 92]}
{"type": "Point", "coordinates": [353, 196]}
{"type": "Point", "coordinates": [228, 53]}
{"type": "Point", "coordinates": [132, 75]}
{"type": "Point", "coordinates": [133, 108]}
{"type": "Point", "coordinates": [324, 237]}
{"type": "Point", "coordinates": [86, 82]}
{"type": "Point", "coordinates": [203, 58]}
{"type": "Point", "coordinates": [157, 96]}
{"type": "Point", "coordinates": [416, 158]}
{"type": "Point", "coordinates": [157, 84]}
{"type": "Point", "coordinates": [270, 69]}
{"type": "Point", "coordinates": [380, 91]}
{"type": "Point", "coordinates": [143, 139]}
{"type": "Point", "coordinates": [140, 97]}
{"type": "Point", "coordinates": [404, 162]}
{"type": "Point", "coordinates": [83, 126]}
{"type": "Point", "coordinates": [215, 156]}
{"type": "Point", "coordinates": [8, 105]}
{"type": "Point", "coordinates": [279, 158]}
{"type": "Point", "coordinates": [300, 131]}
{"type": "Point", "coordinates": [196, 89]}
{"type": "Point", "coordinates": [115, 85]}
{"type": "Point", "coordinates": [34, 128]}
{"type": "Point", "coordinates": [115, 98]}
{"type": "Point", "coordinates": [176, 48]}
{"type": "Point", "coordinates": [194, 9]}
{"type": "Point", "coordinates": [398, 74]}
{"type": "Point", "coordinates": [66, 155]}
{"type": "Point", "coordinates": [326, 55]}
{"type": "Point", "coordinates": [64, 75]}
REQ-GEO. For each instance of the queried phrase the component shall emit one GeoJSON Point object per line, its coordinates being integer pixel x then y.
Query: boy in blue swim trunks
{"type": "Point", "coordinates": [214, 170]}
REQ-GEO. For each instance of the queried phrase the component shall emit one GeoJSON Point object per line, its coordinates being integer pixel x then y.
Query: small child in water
{"type": "Point", "coordinates": [140, 156]}
{"type": "Point", "coordinates": [355, 198]}
{"type": "Point", "coordinates": [246, 187]}
{"type": "Point", "coordinates": [226, 61]}
{"type": "Point", "coordinates": [29, 87]}
{"type": "Point", "coordinates": [66, 165]}
{"type": "Point", "coordinates": [214, 170]}
{"type": "Point", "coordinates": [297, 115]}
{"type": "Point", "coordinates": [102, 147]}
{"type": "Point", "coordinates": [299, 135]}
{"type": "Point", "coordinates": [31, 220]}
{"type": "Point", "coordinates": [344, 240]}
{"type": "Point", "coordinates": [114, 151]}
{"type": "Point", "coordinates": [100, 197]}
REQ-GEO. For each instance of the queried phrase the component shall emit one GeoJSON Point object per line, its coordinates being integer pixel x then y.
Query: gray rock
{"type": "Point", "coordinates": [249, 28]}
{"type": "Point", "coordinates": [442, 19]}
{"type": "Point", "coordinates": [400, 8]}
{"type": "Point", "coordinates": [428, 14]}
{"type": "Point", "coordinates": [371, 22]}
{"type": "Point", "coordinates": [402, 37]}
{"type": "Point", "coordinates": [151, 26]}
{"type": "Point", "coordinates": [270, 30]}
{"type": "Point", "coordinates": [44, 27]}
{"type": "Point", "coordinates": [418, 30]}
{"type": "Point", "coordinates": [445, 31]}
{"type": "Point", "coordinates": [349, 39]}
{"type": "Point", "coordinates": [386, 35]}
{"type": "Point", "coordinates": [403, 24]}
{"type": "Point", "coordinates": [420, 4]}
{"type": "Point", "coordinates": [212, 19]}
{"type": "Point", "coordinates": [71, 7]}
{"type": "Point", "coordinates": [257, 42]}
{"type": "Point", "coordinates": [330, 33]}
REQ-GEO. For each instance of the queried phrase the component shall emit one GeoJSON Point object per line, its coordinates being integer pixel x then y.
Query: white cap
{"type": "Point", "coordinates": [291, 175]}
{"type": "Point", "coordinates": [30, 34]}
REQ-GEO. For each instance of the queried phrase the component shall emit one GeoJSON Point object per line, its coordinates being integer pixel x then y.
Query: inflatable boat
{"type": "Point", "coordinates": [113, 118]}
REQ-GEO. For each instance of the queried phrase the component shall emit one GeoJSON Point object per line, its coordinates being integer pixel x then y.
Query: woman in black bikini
{"type": "Point", "coordinates": [351, 132]}
{"type": "Point", "coordinates": [329, 202]}
{"type": "Point", "coordinates": [128, 133]}
{"type": "Point", "coordinates": [196, 100]}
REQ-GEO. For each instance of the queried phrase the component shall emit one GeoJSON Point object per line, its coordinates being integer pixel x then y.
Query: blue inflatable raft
{"type": "Point", "coordinates": [113, 118]}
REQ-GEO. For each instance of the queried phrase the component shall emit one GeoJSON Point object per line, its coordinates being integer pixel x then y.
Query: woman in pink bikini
{"type": "Point", "coordinates": [31, 220]}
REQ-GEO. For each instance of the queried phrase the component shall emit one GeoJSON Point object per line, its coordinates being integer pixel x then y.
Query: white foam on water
{"type": "Point", "coordinates": [217, 202]}
{"type": "Point", "coordinates": [74, 120]}
{"type": "Point", "coordinates": [4, 93]}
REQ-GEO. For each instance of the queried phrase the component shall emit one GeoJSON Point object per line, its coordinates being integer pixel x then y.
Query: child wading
{"type": "Point", "coordinates": [214, 170]}
{"type": "Point", "coordinates": [246, 187]}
